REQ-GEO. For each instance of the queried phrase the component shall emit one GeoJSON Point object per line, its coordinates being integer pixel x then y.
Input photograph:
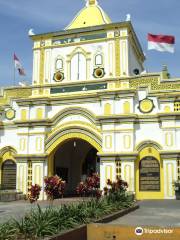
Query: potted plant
{"type": "Point", "coordinates": [176, 185]}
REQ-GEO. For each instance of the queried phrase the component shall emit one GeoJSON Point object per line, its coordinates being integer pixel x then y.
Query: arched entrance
{"type": "Point", "coordinates": [8, 180]}
{"type": "Point", "coordinates": [74, 160]}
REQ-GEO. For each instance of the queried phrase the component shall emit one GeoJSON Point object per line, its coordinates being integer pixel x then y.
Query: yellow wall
{"type": "Point", "coordinates": [51, 165]}
{"type": "Point", "coordinates": [107, 109]}
{"type": "Point", "coordinates": [39, 113]}
{"type": "Point", "coordinates": [126, 107]}
{"type": "Point", "coordinates": [23, 114]}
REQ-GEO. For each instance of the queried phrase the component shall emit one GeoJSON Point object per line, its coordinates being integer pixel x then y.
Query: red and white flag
{"type": "Point", "coordinates": [18, 66]}
{"type": "Point", "coordinates": [162, 43]}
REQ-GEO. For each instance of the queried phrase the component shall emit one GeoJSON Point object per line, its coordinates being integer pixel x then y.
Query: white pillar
{"type": "Point", "coordinates": [22, 174]}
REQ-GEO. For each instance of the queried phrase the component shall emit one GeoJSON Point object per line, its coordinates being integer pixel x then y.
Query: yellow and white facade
{"type": "Point", "coordinates": [89, 88]}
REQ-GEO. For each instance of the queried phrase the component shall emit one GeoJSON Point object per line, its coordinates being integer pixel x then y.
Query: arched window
{"type": "Point", "coordinates": [98, 59]}
{"type": "Point", "coordinates": [78, 67]}
{"type": "Point", "coordinates": [59, 64]}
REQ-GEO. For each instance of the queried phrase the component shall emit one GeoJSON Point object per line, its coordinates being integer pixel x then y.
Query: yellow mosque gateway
{"type": "Point", "coordinates": [92, 107]}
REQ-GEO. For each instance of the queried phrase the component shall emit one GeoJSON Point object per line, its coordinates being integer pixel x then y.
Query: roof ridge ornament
{"type": "Point", "coordinates": [91, 2]}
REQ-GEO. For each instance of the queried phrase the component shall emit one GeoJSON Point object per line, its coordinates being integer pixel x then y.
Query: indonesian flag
{"type": "Point", "coordinates": [162, 43]}
{"type": "Point", "coordinates": [18, 66]}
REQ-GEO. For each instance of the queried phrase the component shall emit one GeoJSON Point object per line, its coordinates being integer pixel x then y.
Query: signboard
{"type": "Point", "coordinates": [149, 174]}
{"type": "Point", "coordinates": [79, 39]}
{"type": "Point", "coordinates": [112, 231]}
{"type": "Point", "coordinates": [79, 88]}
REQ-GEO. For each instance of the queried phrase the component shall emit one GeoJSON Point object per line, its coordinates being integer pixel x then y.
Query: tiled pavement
{"type": "Point", "coordinates": [17, 209]}
{"type": "Point", "coordinates": [151, 212]}
{"type": "Point", "coordinates": [162, 213]}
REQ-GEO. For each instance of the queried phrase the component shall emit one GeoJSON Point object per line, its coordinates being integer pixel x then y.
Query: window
{"type": "Point", "coordinates": [59, 64]}
{"type": "Point", "coordinates": [78, 67]}
{"type": "Point", "coordinates": [98, 59]}
{"type": "Point", "coordinates": [177, 106]}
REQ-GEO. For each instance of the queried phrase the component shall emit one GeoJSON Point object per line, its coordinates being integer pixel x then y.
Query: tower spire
{"type": "Point", "coordinates": [91, 2]}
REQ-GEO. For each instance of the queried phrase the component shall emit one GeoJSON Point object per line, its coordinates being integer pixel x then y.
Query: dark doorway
{"type": "Point", "coordinates": [9, 175]}
{"type": "Point", "coordinates": [74, 161]}
{"type": "Point", "coordinates": [90, 163]}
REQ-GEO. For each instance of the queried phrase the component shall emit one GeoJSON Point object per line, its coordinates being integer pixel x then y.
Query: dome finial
{"type": "Point", "coordinates": [91, 2]}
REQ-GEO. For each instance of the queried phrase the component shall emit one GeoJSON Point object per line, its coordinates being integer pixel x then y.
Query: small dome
{"type": "Point", "coordinates": [91, 15]}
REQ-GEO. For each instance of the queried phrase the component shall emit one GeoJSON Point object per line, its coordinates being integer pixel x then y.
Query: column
{"type": "Point", "coordinates": [127, 174]}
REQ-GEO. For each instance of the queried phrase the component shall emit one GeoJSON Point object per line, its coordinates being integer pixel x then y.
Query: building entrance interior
{"type": "Point", "coordinates": [74, 160]}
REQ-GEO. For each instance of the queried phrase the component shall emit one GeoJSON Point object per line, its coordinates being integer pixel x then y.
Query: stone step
{"type": "Point", "coordinates": [8, 196]}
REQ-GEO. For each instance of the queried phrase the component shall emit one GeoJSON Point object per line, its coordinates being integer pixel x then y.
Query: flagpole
{"type": "Point", "coordinates": [17, 66]}
{"type": "Point", "coordinates": [14, 74]}
{"type": "Point", "coordinates": [14, 80]}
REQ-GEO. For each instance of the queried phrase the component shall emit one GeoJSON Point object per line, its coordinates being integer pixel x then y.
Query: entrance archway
{"type": "Point", "coordinates": [8, 180]}
{"type": "Point", "coordinates": [74, 160]}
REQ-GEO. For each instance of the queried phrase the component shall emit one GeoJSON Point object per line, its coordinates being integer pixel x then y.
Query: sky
{"type": "Point", "coordinates": [18, 16]}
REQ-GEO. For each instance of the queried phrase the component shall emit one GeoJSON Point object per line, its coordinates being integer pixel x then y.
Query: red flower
{"type": "Point", "coordinates": [109, 182]}
{"type": "Point", "coordinates": [90, 187]}
{"type": "Point", "coordinates": [54, 187]}
{"type": "Point", "coordinates": [34, 193]}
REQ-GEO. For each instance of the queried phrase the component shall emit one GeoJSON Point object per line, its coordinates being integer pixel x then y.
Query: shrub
{"type": "Point", "coordinates": [37, 223]}
{"type": "Point", "coordinates": [40, 223]}
{"type": "Point", "coordinates": [116, 191]}
{"type": "Point", "coordinates": [81, 189]}
{"type": "Point", "coordinates": [8, 230]}
{"type": "Point", "coordinates": [90, 187]}
{"type": "Point", "coordinates": [34, 193]}
{"type": "Point", "coordinates": [54, 187]}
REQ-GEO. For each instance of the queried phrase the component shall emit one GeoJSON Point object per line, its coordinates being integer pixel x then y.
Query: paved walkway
{"type": "Point", "coordinates": [151, 212]}
{"type": "Point", "coordinates": [162, 213]}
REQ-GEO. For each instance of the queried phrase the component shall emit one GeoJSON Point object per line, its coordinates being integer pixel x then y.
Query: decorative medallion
{"type": "Point", "coordinates": [42, 43]}
{"type": "Point", "coordinates": [146, 105]}
{"type": "Point", "coordinates": [58, 76]}
{"type": "Point", "coordinates": [98, 72]}
{"type": "Point", "coordinates": [10, 114]}
{"type": "Point", "coordinates": [116, 33]}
